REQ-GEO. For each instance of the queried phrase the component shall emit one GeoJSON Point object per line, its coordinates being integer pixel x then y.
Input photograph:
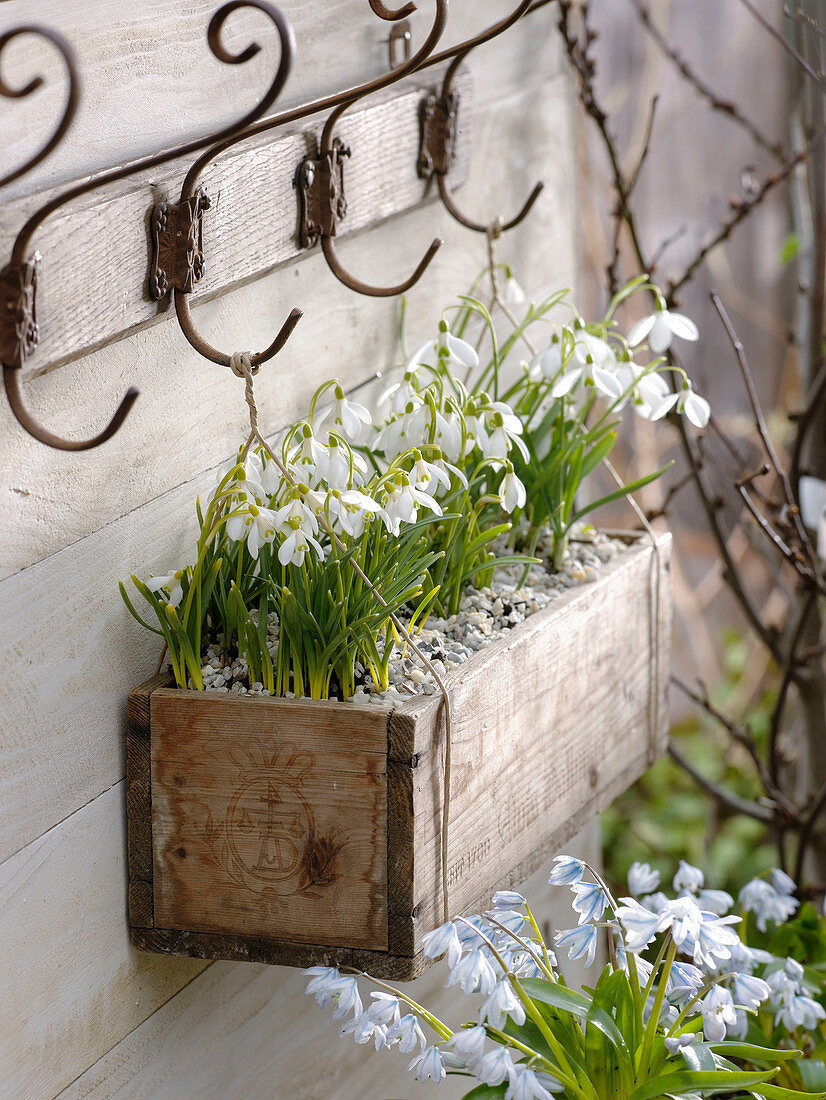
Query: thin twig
{"type": "Point", "coordinates": [722, 795]}
{"type": "Point", "coordinates": [783, 41]}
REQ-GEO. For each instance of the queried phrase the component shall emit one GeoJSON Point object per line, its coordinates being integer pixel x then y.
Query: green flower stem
{"type": "Point", "coordinates": [541, 939]}
{"type": "Point", "coordinates": [439, 1026]}
{"type": "Point", "coordinates": [654, 1018]}
{"type": "Point", "coordinates": [506, 1040]}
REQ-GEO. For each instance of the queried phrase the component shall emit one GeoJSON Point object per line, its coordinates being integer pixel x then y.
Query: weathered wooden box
{"type": "Point", "coordinates": [295, 832]}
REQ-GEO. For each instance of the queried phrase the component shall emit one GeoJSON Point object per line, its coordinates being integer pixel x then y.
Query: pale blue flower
{"type": "Point", "coordinates": [713, 941]}
{"type": "Point", "coordinates": [469, 1044]}
{"type": "Point", "coordinates": [717, 1009]}
{"type": "Point", "coordinates": [716, 901]}
{"type": "Point", "coordinates": [782, 883]}
{"type": "Point", "coordinates": [474, 973]}
{"type": "Point", "coordinates": [407, 1033]}
{"type": "Point", "coordinates": [345, 993]}
{"type": "Point", "coordinates": [384, 1009]}
{"type": "Point", "coordinates": [568, 870]}
{"type": "Point", "coordinates": [507, 899]}
{"type": "Point", "coordinates": [762, 899]}
{"type": "Point", "coordinates": [750, 992]}
{"type": "Point", "coordinates": [641, 925]}
{"type": "Point", "coordinates": [642, 879]}
{"type": "Point", "coordinates": [429, 1064]}
{"type": "Point", "coordinates": [363, 1029]}
{"type": "Point", "coordinates": [674, 1044]}
{"type": "Point", "coordinates": [525, 1085]}
{"type": "Point", "coordinates": [496, 1066]}
{"type": "Point", "coordinates": [683, 917]}
{"type": "Point", "coordinates": [684, 981]}
{"type": "Point", "coordinates": [443, 941]}
{"type": "Point", "coordinates": [321, 978]}
{"type": "Point", "coordinates": [688, 878]}
{"type": "Point", "coordinates": [579, 941]}
{"type": "Point", "coordinates": [502, 1003]}
{"type": "Point", "coordinates": [589, 901]}
{"type": "Point", "coordinates": [513, 921]}
{"type": "Point", "coordinates": [467, 931]}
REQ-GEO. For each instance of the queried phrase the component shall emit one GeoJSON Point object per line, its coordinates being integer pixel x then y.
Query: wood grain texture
{"type": "Point", "coordinates": [72, 985]}
{"type": "Point", "coordinates": [269, 818]}
{"type": "Point", "coordinates": [550, 724]}
{"type": "Point", "coordinates": [250, 228]}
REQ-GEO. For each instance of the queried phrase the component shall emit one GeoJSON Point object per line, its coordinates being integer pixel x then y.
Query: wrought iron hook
{"type": "Point", "coordinates": [18, 281]}
{"type": "Point", "coordinates": [70, 61]}
{"type": "Point", "coordinates": [184, 315]}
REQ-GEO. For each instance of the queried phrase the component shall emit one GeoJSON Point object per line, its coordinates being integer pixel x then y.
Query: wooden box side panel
{"type": "Point", "coordinates": [139, 803]}
{"type": "Point", "coordinates": [548, 727]}
{"type": "Point", "coordinates": [269, 819]}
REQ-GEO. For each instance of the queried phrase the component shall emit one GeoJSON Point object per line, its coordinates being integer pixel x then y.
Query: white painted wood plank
{"type": "Point", "coordinates": [92, 289]}
{"type": "Point", "coordinates": [150, 82]}
{"type": "Point", "coordinates": [190, 412]}
{"type": "Point", "coordinates": [72, 984]}
{"type": "Point", "coordinates": [244, 1030]}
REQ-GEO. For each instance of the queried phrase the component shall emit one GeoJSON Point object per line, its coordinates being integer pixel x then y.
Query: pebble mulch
{"type": "Point", "coordinates": [485, 615]}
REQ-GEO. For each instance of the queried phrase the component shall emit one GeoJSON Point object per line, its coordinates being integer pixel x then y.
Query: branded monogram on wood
{"type": "Point", "coordinates": [268, 841]}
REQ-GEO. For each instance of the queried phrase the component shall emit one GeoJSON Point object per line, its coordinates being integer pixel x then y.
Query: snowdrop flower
{"type": "Point", "coordinates": [642, 879]}
{"type": "Point", "coordinates": [507, 899]}
{"type": "Point", "coordinates": [589, 901]}
{"type": "Point", "coordinates": [447, 431]}
{"type": "Point", "coordinates": [349, 417]}
{"type": "Point", "coordinates": [343, 466]}
{"type": "Point", "coordinates": [641, 925]}
{"type": "Point", "coordinates": [687, 402]}
{"type": "Point", "coordinates": [474, 973]}
{"type": "Point", "coordinates": [260, 524]}
{"type": "Point", "coordinates": [469, 1044]}
{"type": "Point", "coordinates": [310, 460]}
{"type": "Point", "coordinates": [762, 899]}
{"type": "Point", "coordinates": [643, 387]}
{"type": "Point", "coordinates": [171, 584]}
{"type": "Point", "coordinates": [428, 476]}
{"type": "Point", "coordinates": [384, 1009]}
{"type": "Point", "coordinates": [407, 1033]}
{"type": "Point", "coordinates": [579, 941]}
{"type": "Point", "coordinates": [496, 1066]}
{"type": "Point", "coordinates": [295, 508]}
{"type": "Point", "coordinates": [591, 375]}
{"type": "Point", "coordinates": [661, 327]}
{"type": "Point", "coordinates": [353, 509]}
{"type": "Point", "coordinates": [501, 430]}
{"type": "Point", "coordinates": [403, 502]}
{"type": "Point", "coordinates": [568, 870]}
{"type": "Point", "coordinates": [525, 1085]}
{"type": "Point", "coordinates": [512, 292]}
{"type": "Point", "coordinates": [443, 941]}
{"type": "Point", "coordinates": [717, 1008]}
{"type": "Point", "coordinates": [688, 879]}
{"type": "Point", "coordinates": [457, 352]}
{"type": "Point", "coordinates": [400, 393]}
{"type": "Point", "coordinates": [296, 545]}
{"type": "Point", "coordinates": [750, 992]}
{"type": "Point", "coordinates": [430, 1064]}
{"type": "Point", "coordinates": [550, 362]}
{"type": "Point", "coordinates": [502, 1003]}
{"type": "Point", "coordinates": [512, 493]}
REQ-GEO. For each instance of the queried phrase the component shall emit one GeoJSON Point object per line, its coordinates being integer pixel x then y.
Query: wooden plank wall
{"type": "Point", "coordinates": [81, 1012]}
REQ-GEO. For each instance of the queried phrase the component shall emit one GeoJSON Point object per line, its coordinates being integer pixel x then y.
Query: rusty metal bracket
{"type": "Point", "coordinates": [439, 129]}
{"type": "Point", "coordinates": [177, 245]}
{"type": "Point", "coordinates": [19, 332]}
{"type": "Point", "coordinates": [320, 184]}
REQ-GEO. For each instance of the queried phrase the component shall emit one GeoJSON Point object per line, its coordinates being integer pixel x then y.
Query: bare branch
{"type": "Point", "coordinates": [720, 794]}
{"type": "Point", "coordinates": [787, 46]}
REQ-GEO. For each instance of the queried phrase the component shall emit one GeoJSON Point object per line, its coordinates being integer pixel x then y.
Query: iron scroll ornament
{"type": "Point", "coordinates": [13, 273]}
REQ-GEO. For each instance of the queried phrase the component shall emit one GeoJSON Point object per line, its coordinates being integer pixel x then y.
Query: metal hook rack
{"type": "Point", "coordinates": [178, 262]}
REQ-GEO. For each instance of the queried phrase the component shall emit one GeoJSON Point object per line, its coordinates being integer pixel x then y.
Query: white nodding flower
{"type": "Point", "coordinates": [348, 417]}
{"type": "Point", "coordinates": [353, 509]}
{"type": "Point", "coordinates": [384, 1009]}
{"type": "Point", "coordinates": [310, 458]}
{"type": "Point", "coordinates": [684, 918]}
{"type": "Point", "coordinates": [400, 393]}
{"type": "Point", "coordinates": [644, 387]}
{"type": "Point", "coordinates": [171, 584]}
{"type": "Point", "coordinates": [447, 432]}
{"type": "Point", "coordinates": [430, 1064]}
{"type": "Point", "coordinates": [688, 879]}
{"type": "Point", "coordinates": [713, 941]}
{"type": "Point", "coordinates": [591, 375]}
{"type": "Point", "coordinates": [403, 503]}
{"type": "Point", "coordinates": [296, 545]}
{"type": "Point", "coordinates": [405, 430]}
{"type": "Point", "coordinates": [259, 525]}
{"type": "Point", "coordinates": [511, 919]}
{"type": "Point", "coordinates": [512, 494]}
{"type": "Point", "coordinates": [344, 467]}
{"type": "Point", "coordinates": [430, 477]}
{"type": "Point", "coordinates": [322, 983]}
{"type": "Point", "coordinates": [567, 871]}
{"type": "Point", "coordinates": [749, 991]}
{"type": "Point", "coordinates": [715, 901]}
{"type": "Point", "coordinates": [589, 901]}
{"type": "Point", "coordinates": [407, 1033]}
{"type": "Point", "coordinates": [512, 292]}
{"type": "Point", "coordinates": [363, 1029]}
{"type": "Point", "coordinates": [345, 994]}
{"type": "Point", "coordinates": [496, 1066]}
{"type": "Point", "coordinates": [468, 931]}
{"type": "Point", "coordinates": [578, 942]}
{"type": "Point", "coordinates": [641, 925]}
{"type": "Point", "coordinates": [525, 1085]}
{"type": "Point", "coordinates": [443, 941]}
{"type": "Point", "coordinates": [783, 883]}
{"type": "Point", "coordinates": [661, 327]}
{"type": "Point", "coordinates": [469, 1044]}
{"type": "Point", "coordinates": [684, 981]}
{"type": "Point", "coordinates": [761, 898]}
{"type": "Point", "coordinates": [474, 973]}
{"type": "Point", "coordinates": [686, 402]}
{"type": "Point", "coordinates": [501, 431]}
{"type": "Point", "coordinates": [456, 351]}
{"type": "Point", "coordinates": [717, 1009]}
{"type": "Point", "coordinates": [642, 879]}
{"type": "Point", "coordinates": [549, 362]}
{"type": "Point", "coordinates": [294, 508]}
{"type": "Point", "coordinates": [501, 1003]}
{"type": "Point", "coordinates": [507, 899]}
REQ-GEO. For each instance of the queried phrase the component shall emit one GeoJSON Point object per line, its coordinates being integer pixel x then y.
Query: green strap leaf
{"type": "Point", "coordinates": [693, 1080]}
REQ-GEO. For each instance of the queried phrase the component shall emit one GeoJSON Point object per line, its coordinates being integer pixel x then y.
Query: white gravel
{"type": "Point", "coordinates": [485, 615]}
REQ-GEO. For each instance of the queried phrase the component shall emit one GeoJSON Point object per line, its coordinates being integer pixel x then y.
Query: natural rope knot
{"type": "Point", "coordinates": [494, 230]}
{"type": "Point", "coordinates": [240, 363]}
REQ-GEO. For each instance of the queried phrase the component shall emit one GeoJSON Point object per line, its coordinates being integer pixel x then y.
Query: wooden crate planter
{"type": "Point", "coordinates": [295, 832]}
